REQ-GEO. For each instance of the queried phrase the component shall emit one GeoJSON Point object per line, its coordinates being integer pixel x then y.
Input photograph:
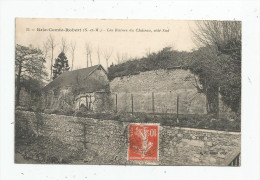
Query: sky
{"type": "Point", "coordinates": [134, 38]}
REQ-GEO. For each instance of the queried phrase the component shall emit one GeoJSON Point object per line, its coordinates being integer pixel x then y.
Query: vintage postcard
{"type": "Point", "coordinates": [127, 92]}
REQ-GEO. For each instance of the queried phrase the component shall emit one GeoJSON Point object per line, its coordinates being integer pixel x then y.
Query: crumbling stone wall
{"type": "Point", "coordinates": [187, 146]}
{"type": "Point", "coordinates": [60, 98]}
{"type": "Point", "coordinates": [166, 85]}
{"type": "Point", "coordinates": [106, 141]}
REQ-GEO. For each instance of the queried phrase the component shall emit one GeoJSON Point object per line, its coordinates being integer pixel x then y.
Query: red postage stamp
{"type": "Point", "coordinates": [143, 142]}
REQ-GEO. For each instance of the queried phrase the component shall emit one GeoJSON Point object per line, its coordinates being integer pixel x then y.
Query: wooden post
{"type": "Point", "coordinates": [132, 98]}
{"type": "Point", "coordinates": [37, 125]}
{"type": "Point", "coordinates": [153, 101]}
{"type": "Point", "coordinates": [90, 102]}
{"type": "Point", "coordinates": [237, 161]}
{"type": "Point", "coordinates": [84, 136]}
{"type": "Point", "coordinates": [116, 103]}
{"type": "Point", "coordinates": [27, 128]}
{"type": "Point", "coordinates": [218, 103]}
{"type": "Point", "coordinates": [207, 106]}
{"type": "Point", "coordinates": [86, 98]}
{"type": "Point", "coordinates": [177, 109]}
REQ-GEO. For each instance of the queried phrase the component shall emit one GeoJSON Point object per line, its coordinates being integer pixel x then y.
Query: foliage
{"type": "Point", "coordinates": [217, 63]}
{"type": "Point", "coordinates": [166, 58]}
{"type": "Point", "coordinates": [32, 86]}
{"type": "Point", "coordinates": [29, 68]}
{"type": "Point", "coordinates": [225, 38]}
{"type": "Point", "coordinates": [217, 67]}
{"type": "Point", "coordinates": [41, 148]}
{"type": "Point", "coordinates": [61, 65]}
{"type": "Point", "coordinates": [204, 63]}
{"type": "Point", "coordinates": [231, 74]}
{"type": "Point", "coordinates": [206, 121]}
{"type": "Point", "coordinates": [29, 62]}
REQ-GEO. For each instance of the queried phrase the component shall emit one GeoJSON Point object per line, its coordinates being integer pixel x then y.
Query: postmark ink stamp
{"type": "Point", "coordinates": [143, 142]}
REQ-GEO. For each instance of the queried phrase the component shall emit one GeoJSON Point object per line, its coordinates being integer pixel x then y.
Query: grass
{"type": "Point", "coordinates": [205, 121]}
{"type": "Point", "coordinates": [42, 149]}
{"type": "Point", "coordinates": [226, 122]}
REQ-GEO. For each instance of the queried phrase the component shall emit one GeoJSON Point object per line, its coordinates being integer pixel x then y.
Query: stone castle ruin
{"type": "Point", "coordinates": [158, 91]}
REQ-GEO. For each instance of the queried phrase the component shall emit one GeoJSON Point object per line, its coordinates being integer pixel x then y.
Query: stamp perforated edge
{"type": "Point", "coordinates": [158, 139]}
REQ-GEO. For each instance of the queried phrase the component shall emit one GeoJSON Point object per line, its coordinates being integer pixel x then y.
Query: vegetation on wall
{"type": "Point", "coordinates": [223, 42]}
{"type": "Point", "coordinates": [166, 58]}
{"type": "Point", "coordinates": [217, 63]}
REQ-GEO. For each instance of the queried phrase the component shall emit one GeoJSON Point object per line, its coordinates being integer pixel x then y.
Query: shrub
{"type": "Point", "coordinates": [204, 124]}
{"type": "Point", "coordinates": [53, 160]}
{"type": "Point", "coordinates": [66, 161]}
{"type": "Point", "coordinates": [47, 111]}
{"type": "Point", "coordinates": [70, 112]}
{"type": "Point", "coordinates": [55, 111]}
{"type": "Point", "coordinates": [80, 114]}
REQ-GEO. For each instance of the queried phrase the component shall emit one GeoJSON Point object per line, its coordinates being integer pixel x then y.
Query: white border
{"type": "Point", "coordinates": [247, 11]}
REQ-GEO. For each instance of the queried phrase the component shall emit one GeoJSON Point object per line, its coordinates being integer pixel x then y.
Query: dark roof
{"type": "Point", "coordinates": [70, 77]}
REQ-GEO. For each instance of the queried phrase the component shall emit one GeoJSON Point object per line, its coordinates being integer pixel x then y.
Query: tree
{"type": "Point", "coordinates": [46, 49]}
{"type": "Point", "coordinates": [147, 51]}
{"type": "Point", "coordinates": [61, 65]}
{"type": "Point", "coordinates": [218, 33]}
{"type": "Point", "coordinates": [88, 49]}
{"type": "Point", "coordinates": [52, 44]}
{"type": "Point", "coordinates": [124, 57]}
{"type": "Point", "coordinates": [121, 58]}
{"type": "Point", "coordinates": [64, 45]}
{"type": "Point", "coordinates": [107, 54]}
{"type": "Point", "coordinates": [224, 37]}
{"type": "Point", "coordinates": [73, 47]}
{"type": "Point", "coordinates": [118, 58]}
{"type": "Point", "coordinates": [204, 63]}
{"type": "Point", "coordinates": [29, 63]}
{"type": "Point", "coordinates": [98, 54]}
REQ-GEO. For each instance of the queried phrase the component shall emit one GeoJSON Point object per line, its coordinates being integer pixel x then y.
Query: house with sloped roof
{"type": "Point", "coordinates": [87, 87]}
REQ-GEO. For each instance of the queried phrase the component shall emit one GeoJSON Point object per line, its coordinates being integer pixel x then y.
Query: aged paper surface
{"type": "Point", "coordinates": [127, 92]}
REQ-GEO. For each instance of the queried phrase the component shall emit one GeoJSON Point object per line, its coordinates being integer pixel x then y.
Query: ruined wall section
{"type": "Point", "coordinates": [161, 87]}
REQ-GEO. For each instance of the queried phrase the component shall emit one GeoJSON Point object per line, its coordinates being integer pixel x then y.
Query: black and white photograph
{"type": "Point", "coordinates": [81, 84]}
{"type": "Point", "coordinates": [129, 90]}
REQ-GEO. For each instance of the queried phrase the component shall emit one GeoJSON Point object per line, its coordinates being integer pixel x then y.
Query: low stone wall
{"type": "Point", "coordinates": [106, 141]}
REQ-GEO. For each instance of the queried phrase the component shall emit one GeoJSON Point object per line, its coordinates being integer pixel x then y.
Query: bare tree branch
{"type": "Point", "coordinates": [118, 58]}
{"type": "Point", "coordinates": [88, 48]}
{"type": "Point", "coordinates": [72, 48]}
{"type": "Point", "coordinates": [52, 45]}
{"type": "Point", "coordinates": [46, 49]}
{"type": "Point", "coordinates": [64, 45]}
{"type": "Point", "coordinates": [215, 33]}
{"type": "Point", "coordinates": [98, 54]}
{"type": "Point", "coordinates": [124, 57]}
{"type": "Point", "coordinates": [107, 54]}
